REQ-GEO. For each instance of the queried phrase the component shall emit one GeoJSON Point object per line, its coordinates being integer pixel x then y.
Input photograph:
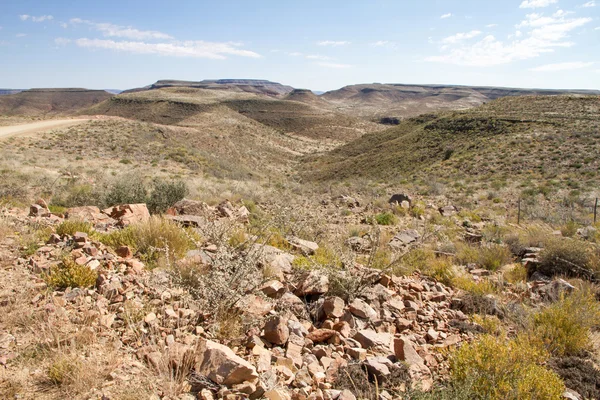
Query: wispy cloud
{"type": "Point", "coordinates": [459, 37]}
{"type": "Point", "coordinates": [446, 16]}
{"type": "Point", "coordinates": [589, 4]}
{"type": "Point", "coordinates": [333, 43]}
{"type": "Point", "coordinates": [19, 35]}
{"type": "Point", "coordinates": [41, 18]}
{"type": "Point", "coordinates": [333, 65]}
{"type": "Point", "coordinates": [491, 25]}
{"type": "Point", "coordinates": [62, 41]}
{"type": "Point", "coordinates": [317, 57]}
{"type": "Point", "coordinates": [562, 66]}
{"type": "Point", "coordinates": [543, 35]}
{"type": "Point", "coordinates": [537, 3]}
{"type": "Point", "coordinates": [111, 30]}
{"type": "Point", "coordinates": [197, 49]}
{"type": "Point", "coordinates": [384, 43]}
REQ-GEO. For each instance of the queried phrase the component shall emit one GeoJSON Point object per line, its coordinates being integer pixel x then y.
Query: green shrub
{"type": "Point", "coordinates": [128, 190]}
{"type": "Point", "coordinates": [491, 256]}
{"type": "Point", "coordinates": [500, 369]}
{"type": "Point", "coordinates": [70, 226]}
{"type": "Point", "coordinates": [165, 194]}
{"type": "Point", "coordinates": [70, 274]}
{"type": "Point", "coordinates": [564, 326]}
{"type": "Point", "coordinates": [386, 218]}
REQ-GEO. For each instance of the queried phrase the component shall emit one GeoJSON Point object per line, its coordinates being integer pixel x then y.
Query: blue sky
{"type": "Point", "coordinates": [320, 45]}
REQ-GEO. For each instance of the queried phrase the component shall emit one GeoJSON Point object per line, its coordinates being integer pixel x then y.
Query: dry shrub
{"type": "Point", "coordinates": [363, 385]}
{"type": "Point", "coordinates": [500, 369]}
{"type": "Point", "coordinates": [564, 326]}
{"type": "Point", "coordinates": [70, 274]}
{"type": "Point", "coordinates": [157, 241]}
{"type": "Point", "coordinates": [5, 228]}
{"type": "Point", "coordinates": [578, 374]}
{"type": "Point", "coordinates": [71, 226]}
{"type": "Point", "coordinates": [490, 256]}
{"type": "Point", "coordinates": [566, 257]}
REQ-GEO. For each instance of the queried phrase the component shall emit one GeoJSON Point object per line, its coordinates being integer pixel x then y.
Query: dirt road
{"type": "Point", "coordinates": [6, 131]}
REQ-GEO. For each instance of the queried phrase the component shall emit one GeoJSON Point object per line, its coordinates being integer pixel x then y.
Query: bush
{"type": "Point", "coordinates": [156, 240]}
{"type": "Point", "coordinates": [386, 218]}
{"type": "Point", "coordinates": [499, 369]}
{"type": "Point", "coordinates": [70, 274]}
{"type": "Point", "coordinates": [70, 226]}
{"type": "Point", "coordinates": [566, 257]}
{"type": "Point", "coordinates": [129, 189]}
{"type": "Point", "coordinates": [564, 326]}
{"type": "Point", "coordinates": [491, 256]}
{"type": "Point", "coordinates": [165, 194]}
{"type": "Point", "coordinates": [578, 374]}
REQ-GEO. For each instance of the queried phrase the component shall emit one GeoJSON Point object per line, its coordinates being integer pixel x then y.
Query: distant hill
{"type": "Point", "coordinates": [50, 101]}
{"type": "Point", "coordinates": [9, 91]}
{"type": "Point", "coordinates": [256, 86]}
{"type": "Point", "coordinates": [185, 106]}
{"type": "Point", "coordinates": [512, 139]}
{"type": "Point", "coordinates": [378, 100]}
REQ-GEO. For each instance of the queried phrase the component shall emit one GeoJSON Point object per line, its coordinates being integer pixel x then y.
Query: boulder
{"type": "Point", "coordinates": [128, 214]}
{"type": "Point", "coordinates": [192, 207]}
{"type": "Point", "coordinates": [89, 214]}
{"type": "Point", "coordinates": [221, 365]}
{"type": "Point", "coordinates": [321, 335]}
{"type": "Point", "coordinates": [404, 238]}
{"type": "Point", "coordinates": [362, 310]}
{"type": "Point", "coordinates": [276, 330]}
{"type": "Point", "coordinates": [333, 307]}
{"type": "Point", "coordinates": [313, 283]}
{"type": "Point", "coordinates": [303, 246]}
{"type": "Point", "coordinates": [369, 339]}
{"type": "Point", "coordinates": [447, 211]}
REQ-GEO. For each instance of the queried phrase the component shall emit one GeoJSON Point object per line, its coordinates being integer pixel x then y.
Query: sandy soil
{"type": "Point", "coordinates": [6, 131]}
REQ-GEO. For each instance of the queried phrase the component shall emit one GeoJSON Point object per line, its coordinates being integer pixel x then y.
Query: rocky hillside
{"type": "Point", "coordinates": [34, 102]}
{"type": "Point", "coordinates": [510, 139]}
{"type": "Point", "coordinates": [397, 100]}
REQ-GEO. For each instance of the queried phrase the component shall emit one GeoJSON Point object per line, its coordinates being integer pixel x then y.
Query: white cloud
{"type": "Point", "coordinates": [446, 16]}
{"type": "Point", "coordinates": [20, 35]}
{"type": "Point", "coordinates": [41, 18]}
{"type": "Point", "coordinates": [333, 43]}
{"type": "Point", "coordinates": [597, 28]}
{"type": "Point", "coordinates": [562, 66]}
{"type": "Point", "coordinates": [491, 25]}
{"type": "Point", "coordinates": [459, 37]}
{"type": "Point", "coordinates": [384, 43]}
{"type": "Point", "coordinates": [62, 41]}
{"type": "Point", "coordinates": [537, 3]}
{"type": "Point", "coordinates": [197, 49]}
{"type": "Point", "coordinates": [589, 4]}
{"type": "Point", "coordinates": [64, 25]}
{"type": "Point", "coordinates": [317, 57]}
{"type": "Point", "coordinates": [543, 35]}
{"type": "Point", "coordinates": [295, 54]}
{"type": "Point", "coordinates": [111, 30]}
{"type": "Point", "coordinates": [333, 65]}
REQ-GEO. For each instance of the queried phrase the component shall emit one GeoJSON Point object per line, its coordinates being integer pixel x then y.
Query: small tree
{"type": "Point", "coordinates": [165, 194]}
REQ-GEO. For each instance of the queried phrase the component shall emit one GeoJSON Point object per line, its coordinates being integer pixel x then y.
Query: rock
{"type": "Point", "coordinates": [35, 210]}
{"type": "Point", "coordinates": [432, 335]}
{"type": "Point", "coordinates": [358, 244]}
{"type": "Point", "coordinates": [150, 318]}
{"type": "Point", "coordinates": [124, 252]}
{"type": "Point", "coordinates": [254, 305]}
{"type": "Point", "coordinates": [369, 339]}
{"type": "Point", "coordinates": [277, 394]}
{"type": "Point", "coordinates": [303, 246]}
{"type": "Point", "coordinates": [221, 365]}
{"type": "Point", "coordinates": [405, 351]}
{"type": "Point", "coordinates": [447, 211]}
{"type": "Point", "coordinates": [313, 283]}
{"type": "Point", "coordinates": [320, 335]}
{"type": "Point", "coordinates": [555, 289]}
{"type": "Point", "coordinates": [128, 214]}
{"type": "Point", "coordinates": [192, 207]}
{"type": "Point", "coordinates": [89, 214]}
{"type": "Point", "coordinates": [276, 330]}
{"type": "Point", "coordinates": [399, 198]}
{"type": "Point", "coordinates": [379, 366]}
{"type": "Point", "coordinates": [346, 395]}
{"type": "Point", "coordinates": [333, 307]}
{"type": "Point", "coordinates": [272, 288]}
{"type": "Point", "coordinates": [587, 232]}
{"type": "Point", "coordinates": [362, 309]}
{"type": "Point", "coordinates": [404, 238]}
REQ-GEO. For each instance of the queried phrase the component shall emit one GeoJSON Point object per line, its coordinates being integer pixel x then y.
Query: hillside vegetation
{"type": "Point", "coordinates": [542, 138]}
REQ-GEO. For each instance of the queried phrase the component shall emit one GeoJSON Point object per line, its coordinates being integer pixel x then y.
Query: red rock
{"type": "Point", "coordinates": [124, 252]}
{"type": "Point", "coordinates": [334, 307]}
{"type": "Point", "coordinates": [276, 331]}
{"type": "Point", "coordinates": [320, 335]}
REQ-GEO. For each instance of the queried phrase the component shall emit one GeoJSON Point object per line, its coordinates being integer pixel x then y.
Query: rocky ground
{"type": "Point", "coordinates": [229, 319]}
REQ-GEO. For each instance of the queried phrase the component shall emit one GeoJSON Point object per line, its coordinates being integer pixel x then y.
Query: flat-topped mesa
{"type": "Point", "coordinates": [259, 86]}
